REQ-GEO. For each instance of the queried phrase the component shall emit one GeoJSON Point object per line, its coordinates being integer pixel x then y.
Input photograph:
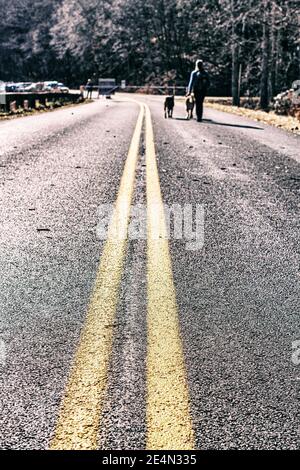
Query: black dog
{"type": "Point", "coordinates": [189, 104]}
{"type": "Point", "coordinates": [169, 106]}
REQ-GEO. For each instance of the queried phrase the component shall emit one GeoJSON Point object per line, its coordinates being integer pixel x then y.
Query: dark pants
{"type": "Point", "coordinates": [199, 98]}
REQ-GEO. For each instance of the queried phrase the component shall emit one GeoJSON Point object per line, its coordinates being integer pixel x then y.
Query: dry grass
{"type": "Point", "coordinates": [287, 123]}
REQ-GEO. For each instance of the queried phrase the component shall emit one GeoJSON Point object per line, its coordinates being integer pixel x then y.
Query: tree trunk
{"type": "Point", "coordinates": [235, 76]}
{"type": "Point", "coordinates": [235, 69]}
{"type": "Point", "coordinates": [264, 83]}
{"type": "Point", "coordinates": [275, 43]}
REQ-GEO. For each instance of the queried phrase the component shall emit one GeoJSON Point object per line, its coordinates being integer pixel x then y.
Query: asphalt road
{"type": "Point", "coordinates": [220, 320]}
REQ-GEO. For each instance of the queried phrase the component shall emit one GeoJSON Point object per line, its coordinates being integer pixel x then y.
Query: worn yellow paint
{"type": "Point", "coordinates": [169, 424]}
{"type": "Point", "coordinates": [79, 419]}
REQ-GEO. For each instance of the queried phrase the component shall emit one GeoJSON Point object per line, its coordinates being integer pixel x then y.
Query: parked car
{"type": "Point", "coordinates": [10, 87]}
{"type": "Point", "coordinates": [63, 88]}
{"type": "Point", "coordinates": [50, 86]}
{"type": "Point", "coordinates": [22, 86]}
{"type": "Point", "coordinates": [29, 87]}
{"type": "Point", "coordinates": [34, 87]}
{"type": "Point", "coordinates": [56, 87]}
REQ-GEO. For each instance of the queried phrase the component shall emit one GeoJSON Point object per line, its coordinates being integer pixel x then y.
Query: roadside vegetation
{"type": "Point", "coordinates": [288, 123]}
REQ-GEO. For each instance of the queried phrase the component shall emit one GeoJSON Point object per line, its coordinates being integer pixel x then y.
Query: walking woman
{"type": "Point", "coordinates": [199, 84]}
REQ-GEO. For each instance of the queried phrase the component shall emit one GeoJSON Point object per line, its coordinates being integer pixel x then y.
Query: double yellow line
{"type": "Point", "coordinates": [168, 414]}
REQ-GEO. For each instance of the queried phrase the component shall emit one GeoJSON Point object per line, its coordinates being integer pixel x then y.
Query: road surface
{"type": "Point", "coordinates": [147, 343]}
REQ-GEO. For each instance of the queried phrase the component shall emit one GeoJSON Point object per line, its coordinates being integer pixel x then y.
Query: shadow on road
{"type": "Point", "coordinates": [232, 125]}
{"type": "Point", "coordinates": [210, 121]}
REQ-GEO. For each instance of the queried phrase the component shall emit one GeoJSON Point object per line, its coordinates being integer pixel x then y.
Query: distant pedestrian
{"type": "Point", "coordinates": [199, 84]}
{"type": "Point", "coordinates": [89, 88]}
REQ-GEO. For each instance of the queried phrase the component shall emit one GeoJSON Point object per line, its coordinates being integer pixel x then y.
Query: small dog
{"type": "Point", "coordinates": [189, 104]}
{"type": "Point", "coordinates": [169, 106]}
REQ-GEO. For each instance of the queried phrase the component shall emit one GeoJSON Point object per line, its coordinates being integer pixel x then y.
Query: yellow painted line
{"type": "Point", "coordinates": [79, 419]}
{"type": "Point", "coordinates": [169, 424]}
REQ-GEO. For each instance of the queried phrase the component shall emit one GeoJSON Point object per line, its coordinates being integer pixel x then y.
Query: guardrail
{"type": "Point", "coordinates": [147, 89]}
{"type": "Point", "coordinates": [162, 89]}
{"type": "Point", "coordinates": [32, 100]}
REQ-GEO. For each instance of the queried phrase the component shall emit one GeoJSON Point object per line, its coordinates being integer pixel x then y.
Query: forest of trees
{"type": "Point", "coordinates": [249, 46]}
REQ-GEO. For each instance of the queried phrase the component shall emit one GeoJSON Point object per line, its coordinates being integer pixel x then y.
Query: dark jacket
{"type": "Point", "coordinates": [199, 82]}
